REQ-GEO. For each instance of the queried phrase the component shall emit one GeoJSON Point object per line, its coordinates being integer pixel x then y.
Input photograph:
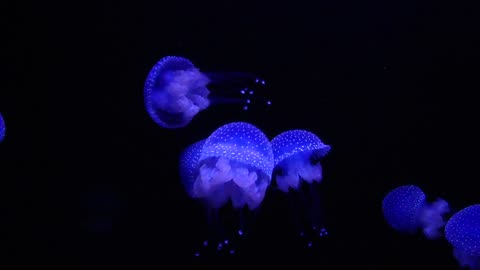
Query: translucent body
{"type": "Point", "coordinates": [297, 155]}
{"type": "Point", "coordinates": [236, 162]}
{"type": "Point", "coordinates": [2, 128]}
{"type": "Point", "coordinates": [463, 233]}
{"type": "Point", "coordinates": [176, 91]}
{"type": "Point", "coordinates": [189, 160]}
{"type": "Point", "coordinates": [406, 210]}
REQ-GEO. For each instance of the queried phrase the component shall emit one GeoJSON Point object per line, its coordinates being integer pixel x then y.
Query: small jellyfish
{"type": "Point", "coordinates": [2, 128]}
{"type": "Point", "coordinates": [100, 205]}
{"type": "Point", "coordinates": [463, 233]}
{"type": "Point", "coordinates": [234, 164]}
{"type": "Point", "coordinates": [297, 155]}
{"type": "Point", "coordinates": [175, 91]}
{"type": "Point", "coordinates": [406, 210]}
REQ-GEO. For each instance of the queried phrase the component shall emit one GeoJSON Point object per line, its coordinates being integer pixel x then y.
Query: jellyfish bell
{"type": "Point", "coordinates": [462, 231]}
{"type": "Point", "coordinates": [236, 160]}
{"type": "Point", "coordinates": [176, 91]}
{"type": "Point", "coordinates": [406, 210]}
{"type": "Point", "coordinates": [297, 155]}
{"type": "Point", "coordinates": [232, 167]}
{"type": "Point", "coordinates": [2, 128]}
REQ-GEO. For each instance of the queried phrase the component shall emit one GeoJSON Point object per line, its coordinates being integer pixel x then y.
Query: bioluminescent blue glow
{"type": "Point", "coordinates": [406, 209]}
{"type": "Point", "coordinates": [175, 91]}
{"type": "Point", "coordinates": [234, 164]}
{"type": "Point", "coordinates": [2, 128]}
{"type": "Point", "coordinates": [189, 160]}
{"type": "Point", "coordinates": [463, 233]}
{"type": "Point", "coordinates": [297, 155]}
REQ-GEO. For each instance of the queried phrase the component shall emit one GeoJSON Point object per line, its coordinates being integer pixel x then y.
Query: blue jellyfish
{"type": "Point", "coordinates": [233, 166]}
{"type": "Point", "coordinates": [463, 233]}
{"type": "Point", "coordinates": [2, 128]}
{"type": "Point", "coordinates": [406, 210]}
{"type": "Point", "coordinates": [297, 155]}
{"type": "Point", "coordinates": [189, 160]}
{"type": "Point", "coordinates": [175, 91]}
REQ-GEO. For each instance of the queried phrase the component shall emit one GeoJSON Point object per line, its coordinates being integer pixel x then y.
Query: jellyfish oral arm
{"type": "Point", "coordinates": [432, 218]}
{"type": "Point", "coordinates": [465, 259]}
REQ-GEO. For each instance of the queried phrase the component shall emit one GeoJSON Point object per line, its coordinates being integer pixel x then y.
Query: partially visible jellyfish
{"type": "Point", "coordinates": [463, 233]}
{"type": "Point", "coordinates": [297, 155]}
{"type": "Point", "coordinates": [189, 160]}
{"type": "Point", "coordinates": [232, 167]}
{"type": "Point", "coordinates": [406, 210]}
{"type": "Point", "coordinates": [2, 128]}
{"type": "Point", "coordinates": [100, 205]}
{"type": "Point", "coordinates": [175, 91]}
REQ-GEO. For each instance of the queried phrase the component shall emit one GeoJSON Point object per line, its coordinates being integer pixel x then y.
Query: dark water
{"type": "Point", "coordinates": [88, 177]}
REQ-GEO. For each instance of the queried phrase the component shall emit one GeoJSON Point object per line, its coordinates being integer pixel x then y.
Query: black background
{"type": "Point", "coordinates": [390, 86]}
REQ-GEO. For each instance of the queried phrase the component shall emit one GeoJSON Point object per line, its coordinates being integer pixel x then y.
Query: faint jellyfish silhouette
{"type": "Point", "coordinates": [463, 233]}
{"type": "Point", "coordinates": [100, 206]}
{"type": "Point", "coordinates": [234, 164]}
{"type": "Point", "coordinates": [297, 173]}
{"type": "Point", "coordinates": [175, 91]}
{"type": "Point", "coordinates": [2, 128]}
{"type": "Point", "coordinates": [406, 209]}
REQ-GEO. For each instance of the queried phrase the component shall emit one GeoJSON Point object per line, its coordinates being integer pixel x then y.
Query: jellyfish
{"type": "Point", "coordinates": [189, 160]}
{"type": "Point", "coordinates": [2, 128]}
{"type": "Point", "coordinates": [176, 91]}
{"type": "Point", "coordinates": [406, 210]}
{"type": "Point", "coordinates": [232, 167]}
{"type": "Point", "coordinates": [100, 205]}
{"type": "Point", "coordinates": [297, 155]}
{"type": "Point", "coordinates": [463, 233]}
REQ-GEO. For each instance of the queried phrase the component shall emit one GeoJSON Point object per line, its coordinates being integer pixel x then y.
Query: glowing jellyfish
{"type": "Point", "coordinates": [2, 128]}
{"type": "Point", "coordinates": [406, 210]}
{"type": "Point", "coordinates": [234, 164]}
{"type": "Point", "coordinates": [175, 91]}
{"type": "Point", "coordinates": [463, 233]}
{"type": "Point", "coordinates": [189, 160]}
{"type": "Point", "coordinates": [297, 160]}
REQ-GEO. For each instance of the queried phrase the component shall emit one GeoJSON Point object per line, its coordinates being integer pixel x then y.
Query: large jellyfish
{"type": "Point", "coordinates": [2, 128]}
{"type": "Point", "coordinates": [463, 232]}
{"type": "Point", "coordinates": [406, 209]}
{"type": "Point", "coordinates": [234, 164]}
{"type": "Point", "coordinates": [175, 91]}
{"type": "Point", "coordinates": [297, 172]}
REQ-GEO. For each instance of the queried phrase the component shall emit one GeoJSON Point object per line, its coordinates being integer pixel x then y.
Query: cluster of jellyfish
{"type": "Point", "coordinates": [2, 128]}
{"type": "Point", "coordinates": [406, 210]}
{"type": "Point", "coordinates": [237, 163]}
